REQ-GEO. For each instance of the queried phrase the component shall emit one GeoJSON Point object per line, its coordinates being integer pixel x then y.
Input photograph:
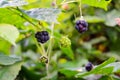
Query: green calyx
{"type": "Point", "coordinates": [43, 59]}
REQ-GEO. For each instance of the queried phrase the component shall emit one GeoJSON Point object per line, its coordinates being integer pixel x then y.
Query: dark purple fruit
{"type": "Point", "coordinates": [42, 36]}
{"type": "Point", "coordinates": [81, 26]}
{"type": "Point", "coordinates": [89, 66]}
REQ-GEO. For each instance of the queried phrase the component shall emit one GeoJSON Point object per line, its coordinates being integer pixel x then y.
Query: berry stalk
{"type": "Point", "coordinates": [80, 6]}
{"type": "Point", "coordinates": [49, 50]}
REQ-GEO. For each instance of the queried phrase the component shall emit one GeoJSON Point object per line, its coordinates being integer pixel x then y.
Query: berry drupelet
{"type": "Point", "coordinates": [81, 26]}
{"type": "Point", "coordinates": [42, 36]}
{"type": "Point", "coordinates": [89, 66]}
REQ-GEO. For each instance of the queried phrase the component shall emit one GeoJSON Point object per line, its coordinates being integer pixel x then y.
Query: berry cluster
{"type": "Point", "coordinates": [42, 36]}
{"type": "Point", "coordinates": [65, 41]}
{"type": "Point", "coordinates": [89, 66]}
{"type": "Point", "coordinates": [81, 26]}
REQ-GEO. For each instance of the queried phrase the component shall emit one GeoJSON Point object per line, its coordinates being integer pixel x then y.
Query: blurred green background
{"type": "Point", "coordinates": [100, 42]}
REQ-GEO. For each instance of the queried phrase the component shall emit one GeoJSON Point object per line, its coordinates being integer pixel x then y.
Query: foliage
{"type": "Point", "coordinates": [6, 31]}
{"type": "Point", "coordinates": [20, 52]}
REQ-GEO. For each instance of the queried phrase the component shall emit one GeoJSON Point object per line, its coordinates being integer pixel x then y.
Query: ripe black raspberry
{"type": "Point", "coordinates": [89, 66]}
{"type": "Point", "coordinates": [42, 36]}
{"type": "Point", "coordinates": [81, 26]}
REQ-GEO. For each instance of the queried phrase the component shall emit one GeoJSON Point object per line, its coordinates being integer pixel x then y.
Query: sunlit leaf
{"type": "Point", "coordinates": [5, 46]}
{"type": "Point", "coordinates": [10, 17]}
{"type": "Point", "coordinates": [95, 3]}
{"type": "Point", "coordinates": [9, 33]}
{"type": "Point", "coordinates": [69, 1]}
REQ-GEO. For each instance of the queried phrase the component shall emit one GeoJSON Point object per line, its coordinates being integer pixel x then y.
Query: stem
{"type": "Point", "coordinates": [111, 78]}
{"type": "Point", "coordinates": [26, 18]}
{"type": "Point", "coordinates": [40, 50]}
{"type": "Point", "coordinates": [55, 3]}
{"type": "Point", "coordinates": [49, 50]}
{"type": "Point", "coordinates": [47, 71]}
{"type": "Point", "coordinates": [43, 50]}
{"type": "Point", "coordinates": [50, 44]}
{"type": "Point", "coordinates": [22, 15]}
{"type": "Point", "coordinates": [80, 6]}
{"type": "Point", "coordinates": [29, 21]}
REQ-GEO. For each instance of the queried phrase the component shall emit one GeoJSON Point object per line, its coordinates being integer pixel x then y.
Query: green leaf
{"type": "Point", "coordinates": [10, 72]}
{"type": "Point", "coordinates": [105, 71]}
{"type": "Point", "coordinates": [9, 33]}
{"type": "Point", "coordinates": [68, 51]}
{"type": "Point", "coordinates": [69, 1]}
{"type": "Point", "coordinates": [6, 60]}
{"type": "Point", "coordinates": [10, 17]}
{"type": "Point", "coordinates": [45, 14]}
{"type": "Point", "coordinates": [99, 69]}
{"type": "Point", "coordinates": [5, 46]}
{"type": "Point", "coordinates": [12, 3]}
{"type": "Point", "coordinates": [68, 72]}
{"type": "Point", "coordinates": [112, 34]}
{"type": "Point", "coordinates": [112, 59]}
{"type": "Point", "coordinates": [116, 66]}
{"type": "Point", "coordinates": [93, 19]}
{"type": "Point", "coordinates": [95, 3]}
{"type": "Point", "coordinates": [108, 77]}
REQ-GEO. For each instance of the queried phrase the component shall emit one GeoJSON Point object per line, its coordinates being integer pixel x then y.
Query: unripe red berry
{"type": "Point", "coordinates": [65, 6]}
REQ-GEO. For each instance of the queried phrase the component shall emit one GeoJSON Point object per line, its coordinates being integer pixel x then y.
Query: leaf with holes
{"type": "Point", "coordinates": [45, 14]}
{"type": "Point", "coordinates": [12, 3]}
{"type": "Point", "coordinates": [9, 33]}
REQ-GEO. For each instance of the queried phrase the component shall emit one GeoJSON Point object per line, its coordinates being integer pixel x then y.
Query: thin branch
{"type": "Point", "coordinates": [50, 49]}
{"type": "Point", "coordinates": [80, 6]}
{"type": "Point", "coordinates": [22, 15]}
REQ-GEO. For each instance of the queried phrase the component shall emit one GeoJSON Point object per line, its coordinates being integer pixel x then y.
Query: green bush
{"type": "Point", "coordinates": [58, 51]}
